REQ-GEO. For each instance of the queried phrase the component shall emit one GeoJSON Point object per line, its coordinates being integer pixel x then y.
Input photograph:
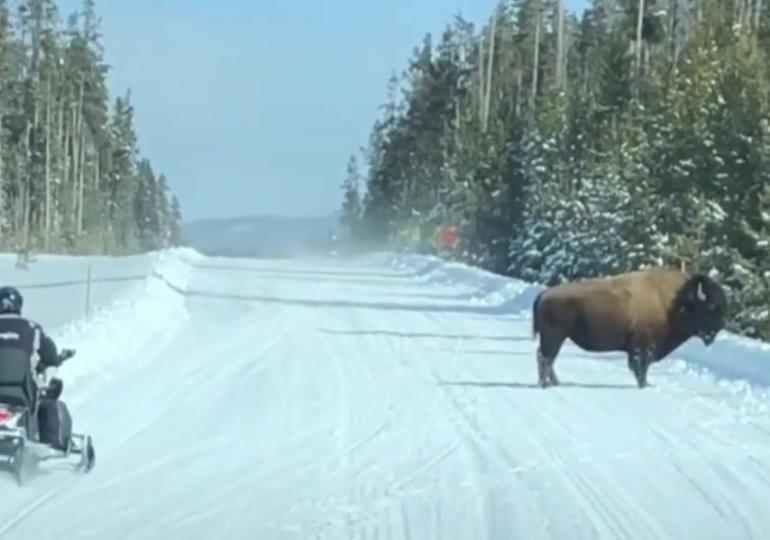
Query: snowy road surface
{"type": "Point", "coordinates": [360, 400]}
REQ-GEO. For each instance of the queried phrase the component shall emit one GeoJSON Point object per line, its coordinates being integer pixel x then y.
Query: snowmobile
{"type": "Point", "coordinates": [22, 444]}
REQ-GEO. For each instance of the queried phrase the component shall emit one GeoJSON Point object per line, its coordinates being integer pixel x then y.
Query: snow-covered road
{"type": "Point", "coordinates": [233, 399]}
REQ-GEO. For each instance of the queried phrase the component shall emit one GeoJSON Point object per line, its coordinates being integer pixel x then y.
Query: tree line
{"type": "Point", "coordinates": [71, 176]}
{"type": "Point", "coordinates": [565, 147]}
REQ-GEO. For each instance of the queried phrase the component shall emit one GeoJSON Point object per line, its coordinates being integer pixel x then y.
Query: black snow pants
{"type": "Point", "coordinates": [54, 423]}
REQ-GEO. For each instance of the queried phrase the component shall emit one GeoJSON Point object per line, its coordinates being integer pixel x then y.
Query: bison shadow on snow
{"type": "Point", "coordinates": [598, 357]}
{"type": "Point", "coordinates": [421, 335]}
{"type": "Point", "coordinates": [520, 385]}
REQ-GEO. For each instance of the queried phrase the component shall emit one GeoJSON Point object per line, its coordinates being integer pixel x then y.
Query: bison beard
{"type": "Point", "coordinates": [646, 314]}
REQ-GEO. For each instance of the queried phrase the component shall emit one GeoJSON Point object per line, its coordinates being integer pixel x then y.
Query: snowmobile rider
{"type": "Point", "coordinates": [20, 333]}
{"type": "Point", "coordinates": [54, 423]}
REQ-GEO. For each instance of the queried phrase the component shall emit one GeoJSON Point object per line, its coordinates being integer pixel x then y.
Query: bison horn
{"type": "Point", "coordinates": [700, 294]}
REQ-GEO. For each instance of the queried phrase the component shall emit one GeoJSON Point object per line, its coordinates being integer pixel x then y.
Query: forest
{"type": "Point", "coordinates": [72, 179]}
{"type": "Point", "coordinates": [564, 147]}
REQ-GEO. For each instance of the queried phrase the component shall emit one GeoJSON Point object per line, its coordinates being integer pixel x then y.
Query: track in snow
{"type": "Point", "coordinates": [287, 400]}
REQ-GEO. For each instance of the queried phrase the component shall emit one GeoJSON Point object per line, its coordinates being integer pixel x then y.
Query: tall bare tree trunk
{"type": "Point", "coordinates": [490, 67]}
{"type": "Point", "coordinates": [81, 179]}
{"type": "Point", "coordinates": [2, 180]}
{"type": "Point", "coordinates": [639, 21]}
{"type": "Point", "coordinates": [673, 9]}
{"type": "Point", "coordinates": [74, 153]}
{"type": "Point", "coordinates": [23, 211]}
{"type": "Point", "coordinates": [536, 57]}
{"type": "Point", "coordinates": [748, 14]}
{"type": "Point", "coordinates": [26, 216]}
{"type": "Point", "coordinates": [756, 10]}
{"type": "Point", "coordinates": [81, 137]}
{"type": "Point", "coordinates": [560, 49]}
{"type": "Point", "coordinates": [97, 169]}
{"type": "Point", "coordinates": [77, 144]}
{"type": "Point", "coordinates": [61, 159]}
{"type": "Point", "coordinates": [17, 203]}
{"type": "Point", "coordinates": [48, 194]}
{"type": "Point", "coordinates": [481, 78]}
{"type": "Point", "coordinates": [29, 179]}
{"type": "Point", "coordinates": [456, 59]}
{"type": "Point", "coordinates": [31, 174]}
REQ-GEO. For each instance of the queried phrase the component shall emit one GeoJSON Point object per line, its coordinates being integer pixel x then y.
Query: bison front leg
{"type": "Point", "coordinates": [639, 360]}
{"type": "Point", "coordinates": [543, 369]}
{"type": "Point", "coordinates": [552, 378]}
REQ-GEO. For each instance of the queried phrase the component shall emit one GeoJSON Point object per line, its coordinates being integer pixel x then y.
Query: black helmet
{"type": "Point", "coordinates": [11, 300]}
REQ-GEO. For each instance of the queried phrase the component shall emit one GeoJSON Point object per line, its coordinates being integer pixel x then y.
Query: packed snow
{"type": "Point", "coordinates": [382, 397]}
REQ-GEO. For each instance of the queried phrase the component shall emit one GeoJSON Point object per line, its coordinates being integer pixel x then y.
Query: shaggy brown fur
{"type": "Point", "coordinates": [646, 314]}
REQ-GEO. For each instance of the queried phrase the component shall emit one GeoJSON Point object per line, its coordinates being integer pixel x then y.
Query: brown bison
{"type": "Point", "coordinates": [646, 314]}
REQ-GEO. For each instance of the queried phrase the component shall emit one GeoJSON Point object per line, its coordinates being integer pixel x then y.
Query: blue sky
{"type": "Point", "coordinates": [254, 106]}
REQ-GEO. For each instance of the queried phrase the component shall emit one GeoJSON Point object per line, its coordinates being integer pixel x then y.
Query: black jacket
{"type": "Point", "coordinates": [16, 332]}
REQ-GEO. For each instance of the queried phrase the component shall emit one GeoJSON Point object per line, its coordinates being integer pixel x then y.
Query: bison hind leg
{"type": "Point", "coordinates": [546, 357]}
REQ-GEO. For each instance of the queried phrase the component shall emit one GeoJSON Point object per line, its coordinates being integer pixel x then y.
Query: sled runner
{"type": "Point", "coordinates": [34, 425]}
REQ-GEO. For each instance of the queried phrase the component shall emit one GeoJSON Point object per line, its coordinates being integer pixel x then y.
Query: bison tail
{"type": "Point", "coordinates": [535, 328]}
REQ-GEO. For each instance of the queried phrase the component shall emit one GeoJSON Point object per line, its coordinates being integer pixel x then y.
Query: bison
{"type": "Point", "coordinates": [646, 314]}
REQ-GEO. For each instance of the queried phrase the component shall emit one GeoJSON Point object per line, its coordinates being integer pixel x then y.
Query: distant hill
{"type": "Point", "coordinates": [261, 236]}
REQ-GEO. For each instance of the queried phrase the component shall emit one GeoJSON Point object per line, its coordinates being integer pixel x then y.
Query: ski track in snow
{"type": "Point", "coordinates": [375, 399]}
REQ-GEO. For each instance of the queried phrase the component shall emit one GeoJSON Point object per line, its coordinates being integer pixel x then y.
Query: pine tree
{"type": "Point", "coordinates": [68, 167]}
{"type": "Point", "coordinates": [163, 206]}
{"type": "Point", "coordinates": [147, 213]}
{"type": "Point", "coordinates": [351, 205]}
{"type": "Point", "coordinates": [123, 177]}
{"type": "Point", "coordinates": [175, 227]}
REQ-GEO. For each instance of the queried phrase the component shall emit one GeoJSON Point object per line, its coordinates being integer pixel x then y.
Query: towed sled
{"type": "Point", "coordinates": [25, 440]}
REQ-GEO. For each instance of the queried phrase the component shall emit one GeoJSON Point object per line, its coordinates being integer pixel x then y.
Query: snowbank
{"type": "Point", "coordinates": [501, 294]}
{"type": "Point", "coordinates": [730, 357]}
{"type": "Point", "coordinates": [150, 313]}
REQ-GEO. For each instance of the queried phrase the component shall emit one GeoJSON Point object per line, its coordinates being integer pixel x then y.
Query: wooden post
{"type": "Point", "coordinates": [88, 291]}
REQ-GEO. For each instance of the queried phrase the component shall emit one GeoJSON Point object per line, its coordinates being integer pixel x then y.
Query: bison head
{"type": "Point", "coordinates": [704, 307]}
